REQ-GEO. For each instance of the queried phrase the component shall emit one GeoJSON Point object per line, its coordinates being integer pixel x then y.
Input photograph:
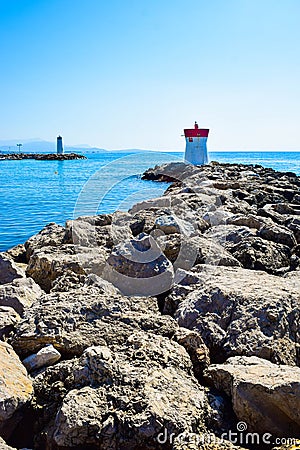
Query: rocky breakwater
{"type": "Point", "coordinates": [42, 156]}
{"type": "Point", "coordinates": [174, 325]}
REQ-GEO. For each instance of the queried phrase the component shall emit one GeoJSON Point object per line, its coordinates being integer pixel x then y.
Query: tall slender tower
{"type": "Point", "coordinates": [195, 149]}
{"type": "Point", "coordinates": [60, 149]}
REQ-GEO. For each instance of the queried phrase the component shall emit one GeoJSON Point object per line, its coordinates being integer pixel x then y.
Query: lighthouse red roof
{"type": "Point", "coordinates": [196, 131]}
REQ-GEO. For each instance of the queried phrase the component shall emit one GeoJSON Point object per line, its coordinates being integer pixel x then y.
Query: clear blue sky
{"type": "Point", "coordinates": [134, 73]}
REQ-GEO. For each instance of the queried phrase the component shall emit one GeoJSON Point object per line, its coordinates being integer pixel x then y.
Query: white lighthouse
{"type": "Point", "coordinates": [59, 146]}
{"type": "Point", "coordinates": [195, 149]}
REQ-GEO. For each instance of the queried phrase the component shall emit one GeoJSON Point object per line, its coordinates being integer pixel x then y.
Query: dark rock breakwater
{"type": "Point", "coordinates": [164, 327]}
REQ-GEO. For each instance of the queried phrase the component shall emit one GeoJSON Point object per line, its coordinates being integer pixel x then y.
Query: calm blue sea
{"type": "Point", "coordinates": [34, 193]}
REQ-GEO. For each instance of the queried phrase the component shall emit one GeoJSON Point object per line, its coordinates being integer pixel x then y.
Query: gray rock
{"type": "Point", "coordinates": [52, 235]}
{"type": "Point", "coordinates": [279, 234]}
{"type": "Point", "coordinates": [91, 315]}
{"type": "Point", "coordinates": [138, 267]}
{"type": "Point", "coordinates": [228, 235]}
{"type": "Point", "coordinates": [9, 270]}
{"type": "Point", "coordinates": [259, 254]}
{"type": "Point", "coordinates": [43, 358]}
{"type": "Point", "coordinates": [240, 312]}
{"type": "Point", "coordinates": [171, 225]}
{"type": "Point", "coordinates": [185, 253]}
{"type": "Point", "coordinates": [249, 221]}
{"type": "Point", "coordinates": [19, 294]}
{"type": "Point", "coordinates": [265, 396]}
{"type": "Point", "coordinates": [124, 395]}
{"type": "Point", "coordinates": [49, 263]}
{"type": "Point", "coordinates": [98, 231]}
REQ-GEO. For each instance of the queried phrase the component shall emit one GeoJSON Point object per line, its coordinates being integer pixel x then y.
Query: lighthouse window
{"type": "Point", "coordinates": [190, 139]}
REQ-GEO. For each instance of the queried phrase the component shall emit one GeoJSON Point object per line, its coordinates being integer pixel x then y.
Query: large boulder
{"type": "Point", "coordinates": [138, 267]}
{"type": "Point", "coordinates": [279, 234]}
{"type": "Point", "coordinates": [259, 254]}
{"type": "Point", "coordinates": [239, 312]}
{"type": "Point", "coordinates": [186, 252]}
{"type": "Point", "coordinates": [48, 264]}
{"type": "Point", "coordinates": [93, 314]}
{"type": "Point", "coordinates": [52, 235]}
{"type": "Point", "coordinates": [15, 389]}
{"type": "Point", "coordinates": [229, 235]}
{"type": "Point", "coordinates": [123, 396]}
{"type": "Point", "coordinates": [265, 396]}
{"type": "Point", "coordinates": [19, 294]}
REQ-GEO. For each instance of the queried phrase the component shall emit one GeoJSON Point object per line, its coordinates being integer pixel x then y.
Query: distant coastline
{"type": "Point", "coordinates": [41, 156]}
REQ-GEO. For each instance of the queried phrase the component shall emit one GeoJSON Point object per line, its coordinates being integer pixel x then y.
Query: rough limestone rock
{"type": "Point", "coordinates": [250, 221]}
{"type": "Point", "coordinates": [43, 358]}
{"type": "Point", "coordinates": [144, 220]}
{"type": "Point", "coordinates": [8, 320]}
{"type": "Point", "coordinates": [138, 267]}
{"type": "Point", "coordinates": [52, 235]}
{"type": "Point", "coordinates": [259, 254]}
{"type": "Point", "coordinates": [124, 395]}
{"type": "Point", "coordinates": [19, 294]}
{"type": "Point", "coordinates": [279, 234]}
{"type": "Point", "coordinates": [265, 396]}
{"type": "Point", "coordinates": [49, 263]}
{"type": "Point", "coordinates": [185, 253]}
{"type": "Point", "coordinates": [229, 235]}
{"type": "Point", "coordinates": [240, 312]}
{"type": "Point", "coordinates": [9, 270]}
{"type": "Point", "coordinates": [171, 225]}
{"type": "Point", "coordinates": [105, 230]}
{"type": "Point", "coordinates": [17, 253]}
{"type": "Point", "coordinates": [79, 318]}
{"type": "Point", "coordinates": [15, 389]}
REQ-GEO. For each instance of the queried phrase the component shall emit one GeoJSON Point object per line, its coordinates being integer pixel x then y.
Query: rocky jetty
{"type": "Point", "coordinates": [41, 156]}
{"type": "Point", "coordinates": [172, 326]}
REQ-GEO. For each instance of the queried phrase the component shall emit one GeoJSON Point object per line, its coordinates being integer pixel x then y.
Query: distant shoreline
{"type": "Point", "coordinates": [41, 156]}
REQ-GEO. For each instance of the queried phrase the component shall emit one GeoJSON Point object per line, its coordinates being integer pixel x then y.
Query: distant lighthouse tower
{"type": "Point", "coordinates": [60, 149]}
{"type": "Point", "coordinates": [195, 149]}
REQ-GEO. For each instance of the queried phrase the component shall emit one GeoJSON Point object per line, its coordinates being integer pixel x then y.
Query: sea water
{"type": "Point", "coordinates": [34, 193]}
